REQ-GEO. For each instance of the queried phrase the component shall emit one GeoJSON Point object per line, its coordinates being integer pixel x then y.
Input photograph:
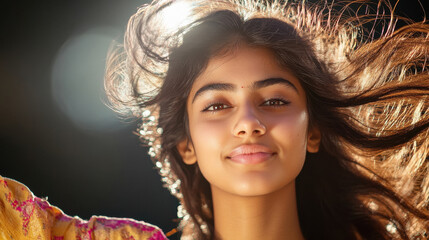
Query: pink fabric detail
{"type": "Point", "coordinates": [43, 204]}
{"type": "Point", "coordinates": [26, 209]}
{"type": "Point", "coordinates": [115, 223]}
{"type": "Point", "coordinates": [4, 183]}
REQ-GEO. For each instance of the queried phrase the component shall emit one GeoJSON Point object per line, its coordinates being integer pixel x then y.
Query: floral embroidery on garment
{"type": "Point", "coordinates": [23, 216]}
{"type": "Point", "coordinates": [25, 208]}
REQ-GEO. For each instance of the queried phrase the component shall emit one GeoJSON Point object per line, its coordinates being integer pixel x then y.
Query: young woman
{"type": "Point", "coordinates": [278, 120]}
{"type": "Point", "coordinates": [282, 121]}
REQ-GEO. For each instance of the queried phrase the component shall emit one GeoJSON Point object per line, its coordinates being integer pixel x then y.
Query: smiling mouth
{"type": "Point", "coordinates": [252, 158]}
{"type": "Point", "coordinates": [250, 154]}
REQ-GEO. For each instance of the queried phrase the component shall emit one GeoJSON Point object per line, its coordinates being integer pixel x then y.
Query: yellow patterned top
{"type": "Point", "coordinates": [24, 216]}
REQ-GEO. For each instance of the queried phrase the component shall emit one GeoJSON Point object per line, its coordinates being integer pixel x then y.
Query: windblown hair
{"type": "Point", "coordinates": [367, 87]}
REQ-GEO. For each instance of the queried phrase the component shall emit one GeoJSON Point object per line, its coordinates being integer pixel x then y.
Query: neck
{"type": "Point", "coordinates": [271, 216]}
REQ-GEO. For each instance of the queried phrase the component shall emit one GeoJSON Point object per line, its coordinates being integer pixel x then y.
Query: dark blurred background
{"type": "Point", "coordinates": [56, 135]}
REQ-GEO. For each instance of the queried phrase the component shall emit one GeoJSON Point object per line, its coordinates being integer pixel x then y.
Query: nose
{"type": "Point", "coordinates": [248, 124]}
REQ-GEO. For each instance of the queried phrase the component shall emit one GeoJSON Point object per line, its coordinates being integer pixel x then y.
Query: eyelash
{"type": "Point", "coordinates": [281, 100]}
{"type": "Point", "coordinates": [206, 109]}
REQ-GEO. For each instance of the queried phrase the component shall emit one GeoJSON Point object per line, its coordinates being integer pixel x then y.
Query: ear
{"type": "Point", "coordinates": [313, 140]}
{"type": "Point", "coordinates": [186, 150]}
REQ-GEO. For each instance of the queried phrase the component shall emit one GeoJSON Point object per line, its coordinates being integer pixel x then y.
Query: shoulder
{"type": "Point", "coordinates": [24, 216]}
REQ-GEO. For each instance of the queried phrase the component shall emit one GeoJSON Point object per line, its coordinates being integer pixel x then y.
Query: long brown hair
{"type": "Point", "coordinates": [368, 96]}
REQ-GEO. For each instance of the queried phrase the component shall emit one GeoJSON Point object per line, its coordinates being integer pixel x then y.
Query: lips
{"type": "Point", "coordinates": [250, 154]}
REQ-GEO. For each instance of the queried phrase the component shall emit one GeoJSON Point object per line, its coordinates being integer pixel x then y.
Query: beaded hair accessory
{"type": "Point", "coordinates": [150, 133]}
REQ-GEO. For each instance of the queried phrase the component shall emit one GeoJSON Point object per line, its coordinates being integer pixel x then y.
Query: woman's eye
{"type": "Point", "coordinates": [215, 107]}
{"type": "Point", "coordinates": [275, 102]}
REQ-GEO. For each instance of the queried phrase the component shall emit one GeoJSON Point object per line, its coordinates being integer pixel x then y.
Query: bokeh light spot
{"type": "Point", "coordinates": [77, 80]}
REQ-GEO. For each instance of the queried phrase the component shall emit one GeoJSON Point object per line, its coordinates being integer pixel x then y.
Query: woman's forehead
{"type": "Point", "coordinates": [243, 66]}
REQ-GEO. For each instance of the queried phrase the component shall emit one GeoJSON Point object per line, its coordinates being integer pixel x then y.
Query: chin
{"type": "Point", "coordinates": [257, 188]}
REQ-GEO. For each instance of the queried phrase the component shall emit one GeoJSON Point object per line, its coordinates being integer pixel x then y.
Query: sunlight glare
{"type": "Point", "coordinates": [176, 15]}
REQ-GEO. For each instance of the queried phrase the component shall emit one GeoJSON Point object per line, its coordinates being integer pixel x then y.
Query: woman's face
{"type": "Point", "coordinates": [248, 123]}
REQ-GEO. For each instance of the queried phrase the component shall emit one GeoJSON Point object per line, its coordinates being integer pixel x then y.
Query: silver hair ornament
{"type": "Point", "coordinates": [150, 134]}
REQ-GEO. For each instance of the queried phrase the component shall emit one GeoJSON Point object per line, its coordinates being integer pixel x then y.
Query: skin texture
{"type": "Point", "coordinates": [253, 194]}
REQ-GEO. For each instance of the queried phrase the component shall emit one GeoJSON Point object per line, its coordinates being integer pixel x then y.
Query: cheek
{"type": "Point", "coordinates": [292, 127]}
{"type": "Point", "coordinates": [208, 137]}
{"type": "Point", "coordinates": [290, 135]}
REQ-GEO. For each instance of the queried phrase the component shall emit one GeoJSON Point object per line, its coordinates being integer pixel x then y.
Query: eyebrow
{"type": "Point", "coordinates": [256, 85]}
